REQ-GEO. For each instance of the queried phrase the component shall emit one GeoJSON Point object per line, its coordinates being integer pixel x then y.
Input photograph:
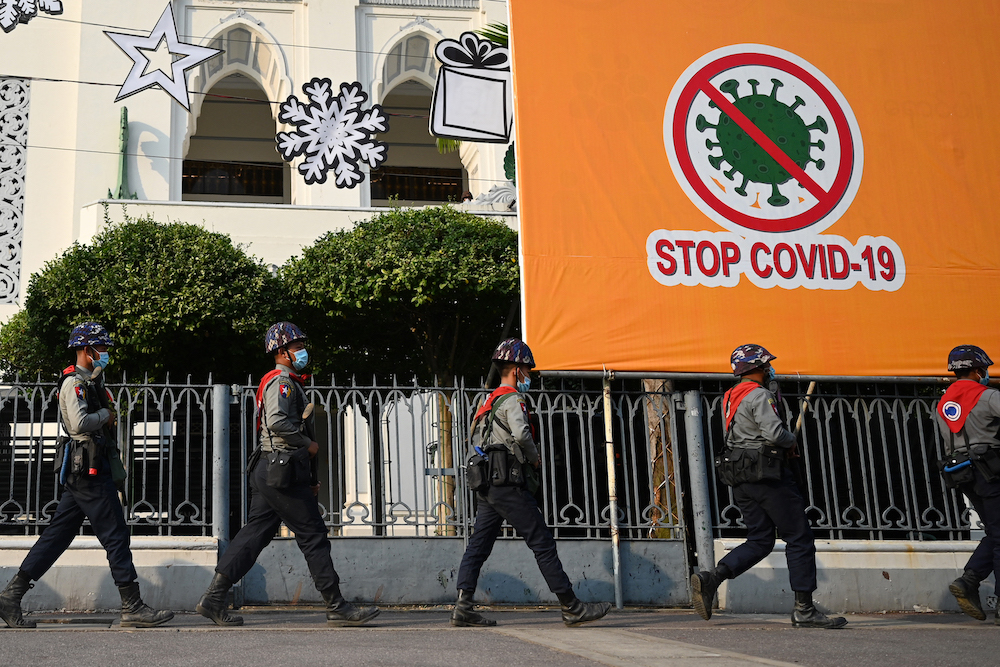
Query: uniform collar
{"type": "Point", "coordinates": [287, 369]}
{"type": "Point", "coordinates": [83, 373]}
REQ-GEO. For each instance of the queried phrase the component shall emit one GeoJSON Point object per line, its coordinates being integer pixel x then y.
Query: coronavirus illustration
{"type": "Point", "coordinates": [779, 121]}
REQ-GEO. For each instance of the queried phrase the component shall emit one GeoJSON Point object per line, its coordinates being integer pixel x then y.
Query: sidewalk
{"type": "Point", "coordinates": [530, 637]}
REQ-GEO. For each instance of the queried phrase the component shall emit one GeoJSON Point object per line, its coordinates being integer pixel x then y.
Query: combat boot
{"type": "Point", "coordinates": [340, 612]}
{"type": "Point", "coordinates": [575, 612]}
{"type": "Point", "coordinates": [136, 613]}
{"type": "Point", "coordinates": [10, 601]}
{"type": "Point", "coordinates": [704, 584]}
{"type": "Point", "coordinates": [213, 603]}
{"type": "Point", "coordinates": [464, 616]}
{"type": "Point", "coordinates": [966, 592]}
{"type": "Point", "coordinates": [806, 615]}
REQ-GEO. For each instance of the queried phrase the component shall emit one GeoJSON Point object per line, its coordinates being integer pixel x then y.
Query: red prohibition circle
{"type": "Point", "coordinates": [827, 199]}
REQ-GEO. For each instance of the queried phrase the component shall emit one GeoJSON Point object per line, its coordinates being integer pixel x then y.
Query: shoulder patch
{"type": "Point", "coordinates": [774, 406]}
{"type": "Point", "coordinates": [81, 393]}
{"type": "Point", "coordinates": [284, 389]}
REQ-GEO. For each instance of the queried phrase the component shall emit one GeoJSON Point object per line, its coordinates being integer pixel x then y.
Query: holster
{"type": "Point", "coordinates": [957, 470]}
{"type": "Point", "coordinates": [505, 469]}
{"type": "Point", "coordinates": [987, 461]}
{"type": "Point", "coordinates": [286, 468]}
{"type": "Point", "coordinates": [477, 472]}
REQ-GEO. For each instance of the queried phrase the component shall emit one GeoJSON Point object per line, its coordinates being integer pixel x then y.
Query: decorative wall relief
{"type": "Point", "coordinates": [14, 99]}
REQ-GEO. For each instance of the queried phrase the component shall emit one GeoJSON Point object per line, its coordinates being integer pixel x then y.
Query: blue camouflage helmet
{"type": "Point", "coordinates": [966, 357]}
{"type": "Point", "coordinates": [514, 351]}
{"type": "Point", "coordinates": [89, 333]}
{"type": "Point", "coordinates": [280, 335]}
{"type": "Point", "coordinates": [747, 358]}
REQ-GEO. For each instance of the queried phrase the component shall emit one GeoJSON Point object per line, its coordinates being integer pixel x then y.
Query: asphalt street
{"type": "Point", "coordinates": [299, 636]}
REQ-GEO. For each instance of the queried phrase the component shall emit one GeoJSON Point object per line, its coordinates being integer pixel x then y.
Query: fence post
{"type": "Point", "coordinates": [701, 504]}
{"type": "Point", "coordinates": [609, 447]}
{"type": "Point", "coordinates": [220, 464]}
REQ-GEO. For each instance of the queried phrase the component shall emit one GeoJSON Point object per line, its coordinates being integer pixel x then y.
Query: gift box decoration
{"type": "Point", "coordinates": [473, 100]}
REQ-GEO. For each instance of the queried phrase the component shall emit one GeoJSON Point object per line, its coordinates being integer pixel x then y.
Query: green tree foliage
{"type": "Point", "coordinates": [177, 299]}
{"type": "Point", "coordinates": [420, 292]}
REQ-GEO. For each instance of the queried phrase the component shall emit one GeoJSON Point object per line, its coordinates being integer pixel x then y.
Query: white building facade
{"type": "Point", "coordinates": [217, 164]}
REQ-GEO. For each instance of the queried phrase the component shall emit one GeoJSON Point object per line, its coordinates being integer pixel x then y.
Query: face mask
{"type": "Point", "coordinates": [769, 375]}
{"type": "Point", "coordinates": [102, 361]}
{"type": "Point", "coordinates": [524, 385]}
{"type": "Point", "coordinates": [985, 380]}
{"type": "Point", "coordinates": [300, 359]}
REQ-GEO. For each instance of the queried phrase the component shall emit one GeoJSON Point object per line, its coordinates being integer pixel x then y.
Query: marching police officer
{"type": "Point", "coordinates": [968, 417]}
{"type": "Point", "coordinates": [514, 503]}
{"type": "Point", "coordinates": [284, 488]}
{"type": "Point", "coordinates": [753, 463]}
{"type": "Point", "coordinates": [88, 474]}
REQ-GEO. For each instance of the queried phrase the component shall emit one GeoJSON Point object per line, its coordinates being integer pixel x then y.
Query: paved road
{"type": "Point", "coordinates": [532, 637]}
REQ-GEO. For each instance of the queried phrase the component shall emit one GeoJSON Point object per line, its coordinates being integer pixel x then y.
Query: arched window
{"type": "Point", "coordinates": [232, 157]}
{"type": "Point", "coordinates": [414, 173]}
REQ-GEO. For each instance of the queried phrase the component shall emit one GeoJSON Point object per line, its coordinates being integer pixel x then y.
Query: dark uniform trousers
{"type": "Point", "coordinates": [521, 511]}
{"type": "Point", "coordinates": [985, 497]}
{"type": "Point", "coordinates": [94, 498]}
{"type": "Point", "coordinates": [766, 506]}
{"type": "Point", "coordinates": [299, 509]}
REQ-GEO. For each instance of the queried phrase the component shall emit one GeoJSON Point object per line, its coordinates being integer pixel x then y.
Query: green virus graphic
{"type": "Point", "coordinates": [779, 121]}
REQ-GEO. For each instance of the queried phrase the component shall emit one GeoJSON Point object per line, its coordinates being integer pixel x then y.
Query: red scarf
{"type": "Point", "coordinates": [266, 380]}
{"type": "Point", "coordinates": [488, 405]}
{"type": "Point", "coordinates": [732, 399]}
{"type": "Point", "coordinates": [958, 401]}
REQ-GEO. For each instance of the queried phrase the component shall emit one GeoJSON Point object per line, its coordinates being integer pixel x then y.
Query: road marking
{"type": "Point", "coordinates": [621, 648]}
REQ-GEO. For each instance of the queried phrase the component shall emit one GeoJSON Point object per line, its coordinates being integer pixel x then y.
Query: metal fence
{"type": "Point", "coordinates": [391, 458]}
{"type": "Point", "coordinates": [165, 433]}
{"type": "Point", "coordinates": [868, 466]}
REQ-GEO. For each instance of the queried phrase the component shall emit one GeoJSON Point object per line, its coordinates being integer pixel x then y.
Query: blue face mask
{"type": "Point", "coordinates": [300, 359]}
{"type": "Point", "coordinates": [525, 385]}
{"type": "Point", "coordinates": [769, 375]}
{"type": "Point", "coordinates": [985, 380]}
{"type": "Point", "coordinates": [102, 361]}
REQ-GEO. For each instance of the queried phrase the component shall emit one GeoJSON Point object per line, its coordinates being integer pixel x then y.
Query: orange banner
{"type": "Point", "coordinates": [818, 178]}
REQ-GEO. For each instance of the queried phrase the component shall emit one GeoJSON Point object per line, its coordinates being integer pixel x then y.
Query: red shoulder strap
{"type": "Point", "coordinates": [488, 405]}
{"type": "Point", "coordinates": [732, 399]}
{"type": "Point", "coordinates": [956, 404]}
{"type": "Point", "coordinates": [264, 381]}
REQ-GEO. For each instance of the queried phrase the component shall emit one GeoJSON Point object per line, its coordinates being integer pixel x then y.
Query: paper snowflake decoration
{"type": "Point", "coordinates": [332, 132]}
{"type": "Point", "coordinates": [13, 12]}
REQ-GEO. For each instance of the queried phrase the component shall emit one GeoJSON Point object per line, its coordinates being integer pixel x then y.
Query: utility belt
{"type": "Point", "coordinates": [91, 457]}
{"type": "Point", "coordinates": [957, 469]}
{"type": "Point", "coordinates": [495, 466]}
{"type": "Point", "coordinates": [738, 465]}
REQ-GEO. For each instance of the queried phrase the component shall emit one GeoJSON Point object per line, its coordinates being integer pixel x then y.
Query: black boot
{"type": "Point", "coordinates": [10, 601]}
{"type": "Point", "coordinates": [704, 584]}
{"type": "Point", "coordinates": [806, 615]}
{"type": "Point", "coordinates": [966, 592]}
{"type": "Point", "coordinates": [340, 612]}
{"type": "Point", "coordinates": [463, 615]}
{"type": "Point", "coordinates": [575, 612]}
{"type": "Point", "coordinates": [136, 613]}
{"type": "Point", "coordinates": [213, 603]}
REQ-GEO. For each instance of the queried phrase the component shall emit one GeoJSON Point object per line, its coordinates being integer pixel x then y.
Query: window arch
{"type": "Point", "coordinates": [228, 150]}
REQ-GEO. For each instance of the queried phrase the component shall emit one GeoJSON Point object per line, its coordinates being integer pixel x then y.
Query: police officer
{"type": "Point", "coordinates": [515, 504]}
{"type": "Point", "coordinates": [286, 441]}
{"type": "Point", "coordinates": [90, 459]}
{"type": "Point", "coordinates": [756, 445]}
{"type": "Point", "coordinates": [968, 417]}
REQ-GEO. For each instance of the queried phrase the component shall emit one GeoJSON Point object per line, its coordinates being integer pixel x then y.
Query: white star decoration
{"type": "Point", "coordinates": [175, 84]}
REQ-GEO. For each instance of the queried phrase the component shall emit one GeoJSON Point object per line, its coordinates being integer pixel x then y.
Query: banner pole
{"type": "Point", "coordinates": [609, 446]}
